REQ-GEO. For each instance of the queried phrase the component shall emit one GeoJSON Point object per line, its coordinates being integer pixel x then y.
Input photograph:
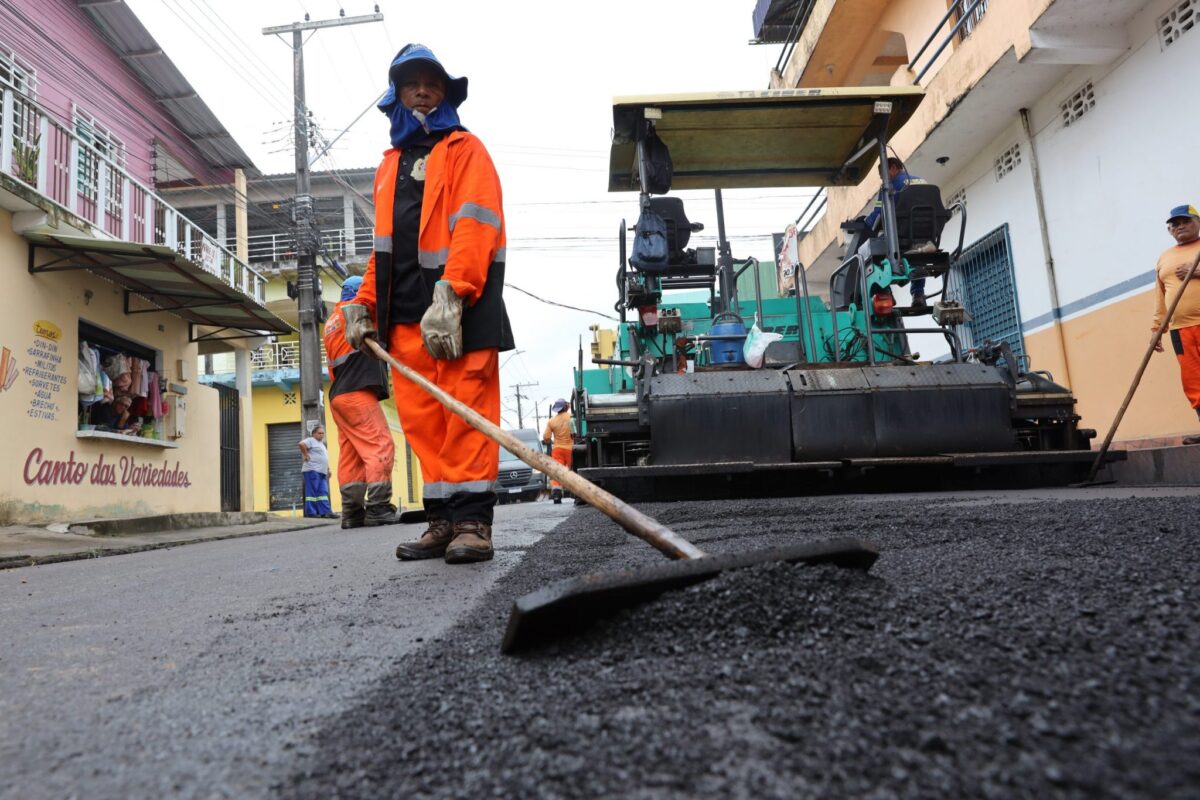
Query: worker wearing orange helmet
{"type": "Point", "coordinates": [366, 451]}
{"type": "Point", "coordinates": [432, 293]}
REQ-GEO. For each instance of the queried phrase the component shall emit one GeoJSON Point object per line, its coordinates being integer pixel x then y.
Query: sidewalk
{"type": "Point", "coordinates": [27, 545]}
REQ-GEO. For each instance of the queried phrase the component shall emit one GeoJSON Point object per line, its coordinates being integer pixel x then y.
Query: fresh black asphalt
{"type": "Point", "coordinates": [997, 649]}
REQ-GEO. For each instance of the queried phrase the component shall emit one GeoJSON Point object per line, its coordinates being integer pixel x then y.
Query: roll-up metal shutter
{"type": "Point", "coordinates": [283, 466]}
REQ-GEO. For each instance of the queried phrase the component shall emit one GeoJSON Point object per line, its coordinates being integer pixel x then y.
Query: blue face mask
{"type": "Point", "coordinates": [407, 129]}
{"type": "Point", "coordinates": [350, 287]}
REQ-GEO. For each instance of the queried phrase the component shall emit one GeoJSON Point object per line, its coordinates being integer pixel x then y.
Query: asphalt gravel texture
{"type": "Point", "coordinates": [1006, 650]}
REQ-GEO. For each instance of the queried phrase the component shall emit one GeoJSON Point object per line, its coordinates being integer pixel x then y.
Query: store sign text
{"type": "Point", "coordinates": [125, 471]}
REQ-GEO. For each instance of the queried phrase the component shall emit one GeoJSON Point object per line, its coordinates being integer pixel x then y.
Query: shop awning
{"type": "Point", "coordinates": [760, 138]}
{"type": "Point", "coordinates": [163, 277]}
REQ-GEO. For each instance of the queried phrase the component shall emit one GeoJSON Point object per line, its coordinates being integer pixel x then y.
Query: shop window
{"type": "Point", "coordinates": [120, 387]}
{"type": "Point", "coordinates": [110, 148]}
{"type": "Point", "coordinates": [1008, 161]}
{"type": "Point", "coordinates": [1179, 20]}
{"type": "Point", "coordinates": [1078, 104]}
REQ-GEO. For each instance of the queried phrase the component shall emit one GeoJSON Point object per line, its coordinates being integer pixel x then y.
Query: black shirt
{"type": "Point", "coordinates": [411, 293]}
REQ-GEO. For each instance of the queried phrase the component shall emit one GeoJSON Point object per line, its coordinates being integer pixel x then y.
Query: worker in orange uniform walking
{"type": "Point", "coordinates": [432, 292]}
{"type": "Point", "coordinates": [559, 432]}
{"type": "Point", "coordinates": [366, 450]}
{"type": "Point", "coordinates": [1183, 224]}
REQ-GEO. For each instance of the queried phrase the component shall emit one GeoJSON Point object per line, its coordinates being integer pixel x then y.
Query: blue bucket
{"type": "Point", "coordinates": [727, 351]}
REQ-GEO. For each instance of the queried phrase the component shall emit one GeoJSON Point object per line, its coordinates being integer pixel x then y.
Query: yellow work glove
{"type": "Point", "coordinates": [441, 327]}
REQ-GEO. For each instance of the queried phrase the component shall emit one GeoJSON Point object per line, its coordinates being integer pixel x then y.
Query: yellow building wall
{"type": "Point", "coordinates": [271, 406]}
{"type": "Point", "coordinates": [1104, 349]}
{"type": "Point", "coordinates": [39, 403]}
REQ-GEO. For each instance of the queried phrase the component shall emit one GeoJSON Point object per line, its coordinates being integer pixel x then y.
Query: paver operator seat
{"type": "Point", "coordinates": [920, 219]}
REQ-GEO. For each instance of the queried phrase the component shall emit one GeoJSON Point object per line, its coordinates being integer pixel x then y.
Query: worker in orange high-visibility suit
{"type": "Point", "coordinates": [559, 433]}
{"type": "Point", "coordinates": [367, 454]}
{"type": "Point", "coordinates": [432, 292]}
{"type": "Point", "coordinates": [1183, 224]}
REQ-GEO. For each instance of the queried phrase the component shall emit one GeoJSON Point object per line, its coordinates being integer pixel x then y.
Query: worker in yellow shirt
{"type": "Point", "coordinates": [559, 431]}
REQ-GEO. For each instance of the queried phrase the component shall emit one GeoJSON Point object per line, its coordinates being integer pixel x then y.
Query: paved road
{"type": "Point", "coordinates": [202, 671]}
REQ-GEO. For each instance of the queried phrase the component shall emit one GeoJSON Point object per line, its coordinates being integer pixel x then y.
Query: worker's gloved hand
{"type": "Point", "coordinates": [441, 327]}
{"type": "Point", "coordinates": [359, 327]}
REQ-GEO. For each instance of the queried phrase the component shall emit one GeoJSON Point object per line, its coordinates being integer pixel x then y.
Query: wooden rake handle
{"type": "Point", "coordinates": [649, 530]}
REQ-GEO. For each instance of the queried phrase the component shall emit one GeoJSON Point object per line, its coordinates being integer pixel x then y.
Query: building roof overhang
{"type": "Point", "coordinates": [761, 138]}
{"type": "Point", "coordinates": [163, 278]}
{"type": "Point", "coordinates": [130, 40]}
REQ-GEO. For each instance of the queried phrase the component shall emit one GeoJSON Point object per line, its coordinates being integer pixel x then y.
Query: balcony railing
{"type": "Point", "coordinates": [271, 356]}
{"type": "Point", "coordinates": [282, 246]}
{"type": "Point", "coordinates": [54, 161]}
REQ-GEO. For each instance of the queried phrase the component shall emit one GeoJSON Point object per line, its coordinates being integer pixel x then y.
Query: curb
{"type": "Point", "coordinates": [14, 562]}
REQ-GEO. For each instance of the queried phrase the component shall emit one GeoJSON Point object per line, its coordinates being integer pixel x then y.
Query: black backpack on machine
{"type": "Point", "coordinates": [659, 168]}
{"type": "Point", "coordinates": [650, 251]}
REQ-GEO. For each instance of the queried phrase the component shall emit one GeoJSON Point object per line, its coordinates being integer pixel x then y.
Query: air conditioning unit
{"type": "Point", "coordinates": [176, 416]}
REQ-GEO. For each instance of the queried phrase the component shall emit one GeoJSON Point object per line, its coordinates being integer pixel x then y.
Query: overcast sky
{"type": "Point", "coordinates": [542, 78]}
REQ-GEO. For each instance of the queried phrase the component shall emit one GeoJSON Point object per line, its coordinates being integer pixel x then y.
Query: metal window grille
{"type": "Point", "coordinates": [1008, 161]}
{"type": "Point", "coordinates": [984, 281]}
{"type": "Point", "coordinates": [108, 146]}
{"type": "Point", "coordinates": [1179, 20]}
{"type": "Point", "coordinates": [1078, 104]}
{"type": "Point", "coordinates": [973, 19]}
{"type": "Point", "coordinates": [16, 75]}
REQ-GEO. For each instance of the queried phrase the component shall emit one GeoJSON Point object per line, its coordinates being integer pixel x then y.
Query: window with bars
{"type": "Point", "coordinates": [1009, 160]}
{"type": "Point", "coordinates": [18, 76]}
{"type": "Point", "coordinates": [1179, 20]}
{"type": "Point", "coordinates": [107, 145]}
{"type": "Point", "coordinates": [15, 74]}
{"type": "Point", "coordinates": [1078, 104]}
{"type": "Point", "coordinates": [973, 15]}
{"type": "Point", "coordinates": [984, 281]}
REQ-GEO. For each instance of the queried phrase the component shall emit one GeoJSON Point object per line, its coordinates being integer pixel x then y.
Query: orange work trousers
{"type": "Point", "coordinates": [563, 456]}
{"type": "Point", "coordinates": [366, 451]}
{"type": "Point", "coordinates": [1186, 342]}
{"type": "Point", "coordinates": [454, 456]}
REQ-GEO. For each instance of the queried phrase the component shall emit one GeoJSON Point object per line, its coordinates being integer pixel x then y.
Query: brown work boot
{"type": "Point", "coordinates": [472, 542]}
{"type": "Point", "coordinates": [432, 543]}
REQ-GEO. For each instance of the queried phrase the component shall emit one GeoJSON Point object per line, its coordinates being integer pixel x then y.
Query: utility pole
{"type": "Point", "coordinates": [537, 413]}
{"type": "Point", "coordinates": [312, 411]}
{"type": "Point", "coordinates": [520, 416]}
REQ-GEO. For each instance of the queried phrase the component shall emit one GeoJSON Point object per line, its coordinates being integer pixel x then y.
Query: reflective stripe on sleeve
{"type": "Point", "coordinates": [476, 212]}
{"type": "Point", "coordinates": [383, 244]}
{"type": "Point", "coordinates": [432, 259]}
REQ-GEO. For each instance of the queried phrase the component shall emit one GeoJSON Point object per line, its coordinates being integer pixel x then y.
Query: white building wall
{"type": "Point", "coordinates": [1110, 177]}
{"type": "Point", "coordinates": [1107, 179]}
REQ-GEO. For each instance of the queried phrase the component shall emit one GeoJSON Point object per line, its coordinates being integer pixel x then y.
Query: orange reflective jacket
{"type": "Point", "coordinates": [350, 370]}
{"type": "Point", "coordinates": [461, 238]}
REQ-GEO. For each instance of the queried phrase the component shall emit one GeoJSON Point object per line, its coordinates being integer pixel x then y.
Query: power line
{"type": "Point", "coordinates": [560, 305]}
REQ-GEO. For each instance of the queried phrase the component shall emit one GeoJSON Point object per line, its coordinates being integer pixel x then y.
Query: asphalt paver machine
{"type": "Point", "coordinates": [839, 401]}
